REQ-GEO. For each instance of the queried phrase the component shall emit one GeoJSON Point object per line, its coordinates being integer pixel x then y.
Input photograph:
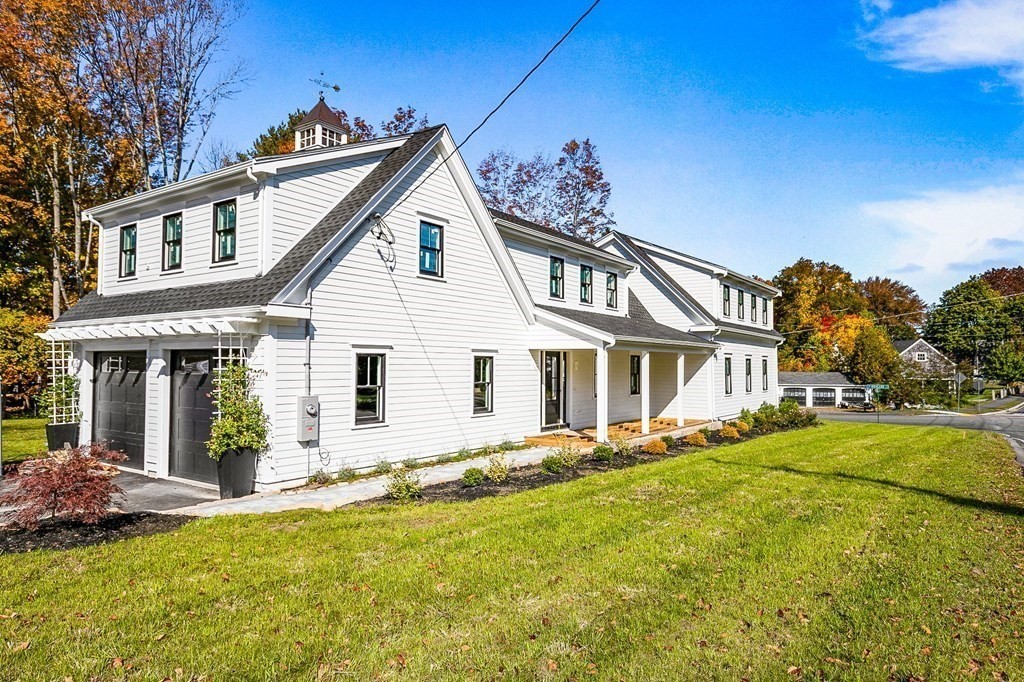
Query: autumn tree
{"type": "Point", "coordinates": [894, 305]}
{"type": "Point", "coordinates": [872, 359]}
{"type": "Point", "coordinates": [524, 188]}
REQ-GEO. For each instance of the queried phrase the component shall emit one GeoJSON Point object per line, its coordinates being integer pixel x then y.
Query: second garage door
{"type": "Point", "coordinates": [192, 416]}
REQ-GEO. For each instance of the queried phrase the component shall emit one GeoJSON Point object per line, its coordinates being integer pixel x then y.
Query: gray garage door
{"type": "Point", "coordinates": [119, 404]}
{"type": "Point", "coordinates": [192, 415]}
{"type": "Point", "coordinates": [823, 397]}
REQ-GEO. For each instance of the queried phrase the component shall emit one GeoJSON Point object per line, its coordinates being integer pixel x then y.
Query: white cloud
{"type": "Point", "coordinates": [873, 9]}
{"type": "Point", "coordinates": [957, 34]}
{"type": "Point", "coordinates": [940, 237]}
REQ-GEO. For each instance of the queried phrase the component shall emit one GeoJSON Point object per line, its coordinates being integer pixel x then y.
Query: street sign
{"type": "Point", "coordinates": [877, 387]}
{"type": "Point", "coordinates": [979, 385]}
{"type": "Point", "coordinates": [959, 378]}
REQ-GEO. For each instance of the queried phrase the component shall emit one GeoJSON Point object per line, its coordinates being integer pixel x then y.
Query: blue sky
{"type": "Point", "coordinates": [883, 135]}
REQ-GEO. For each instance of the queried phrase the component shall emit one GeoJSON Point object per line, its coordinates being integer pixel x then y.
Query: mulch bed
{"type": "Point", "coordinates": [528, 478]}
{"type": "Point", "coordinates": [64, 534]}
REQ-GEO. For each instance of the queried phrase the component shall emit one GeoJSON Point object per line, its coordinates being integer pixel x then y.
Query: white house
{"type": "Point", "coordinates": [371, 280]}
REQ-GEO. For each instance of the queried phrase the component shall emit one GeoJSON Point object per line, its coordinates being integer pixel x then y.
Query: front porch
{"type": "Point", "coordinates": [628, 429]}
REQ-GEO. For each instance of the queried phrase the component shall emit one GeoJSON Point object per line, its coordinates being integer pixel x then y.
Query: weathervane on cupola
{"type": "Point", "coordinates": [320, 128]}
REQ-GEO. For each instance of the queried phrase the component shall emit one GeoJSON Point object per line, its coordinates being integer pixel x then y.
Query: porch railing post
{"type": "Point", "coordinates": [645, 392]}
{"type": "Point", "coordinates": [680, 383]}
{"type": "Point", "coordinates": [602, 394]}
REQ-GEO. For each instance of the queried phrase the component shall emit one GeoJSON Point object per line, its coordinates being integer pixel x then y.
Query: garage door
{"type": "Point", "coordinates": [824, 397]}
{"type": "Point", "coordinates": [192, 415]}
{"type": "Point", "coordinates": [119, 404]}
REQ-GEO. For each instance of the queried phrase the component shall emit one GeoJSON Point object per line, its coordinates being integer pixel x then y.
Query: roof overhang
{"type": "Point", "coordinates": [513, 231]}
{"type": "Point", "coordinates": [599, 336]}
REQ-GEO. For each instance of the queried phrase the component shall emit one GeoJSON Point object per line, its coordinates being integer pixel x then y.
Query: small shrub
{"type": "Point", "coordinates": [791, 416]}
{"type": "Point", "coordinates": [669, 441]}
{"type": "Point", "coordinates": [696, 439]}
{"type": "Point", "coordinates": [747, 417]}
{"type": "Point", "coordinates": [552, 464]}
{"type": "Point", "coordinates": [444, 458]}
{"type": "Point", "coordinates": [497, 468]}
{"type": "Point", "coordinates": [346, 474]}
{"type": "Point", "coordinates": [655, 447]}
{"type": "Point", "coordinates": [472, 476]}
{"type": "Point", "coordinates": [506, 445]}
{"type": "Point", "coordinates": [741, 426]}
{"type": "Point", "coordinates": [623, 446]}
{"type": "Point", "coordinates": [382, 467]}
{"type": "Point", "coordinates": [76, 483]}
{"type": "Point", "coordinates": [767, 419]}
{"type": "Point", "coordinates": [729, 432]}
{"type": "Point", "coordinates": [706, 432]}
{"type": "Point", "coordinates": [464, 453]}
{"type": "Point", "coordinates": [410, 463]}
{"type": "Point", "coordinates": [404, 485]}
{"type": "Point", "coordinates": [320, 478]}
{"type": "Point", "coordinates": [604, 453]}
{"type": "Point", "coordinates": [487, 450]}
{"type": "Point", "coordinates": [569, 453]}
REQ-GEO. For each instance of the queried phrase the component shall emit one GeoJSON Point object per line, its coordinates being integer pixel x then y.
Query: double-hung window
{"type": "Point", "coordinates": [127, 259]}
{"type": "Point", "coordinates": [612, 290]}
{"type": "Point", "coordinates": [224, 231]}
{"type": "Point", "coordinates": [739, 304]}
{"type": "Point", "coordinates": [172, 242]}
{"type": "Point", "coordinates": [764, 374]}
{"type": "Point", "coordinates": [483, 384]}
{"type": "Point", "coordinates": [557, 278]}
{"type": "Point", "coordinates": [728, 375]}
{"type": "Point", "coordinates": [431, 249]}
{"type": "Point", "coordinates": [634, 375]}
{"type": "Point", "coordinates": [753, 308]}
{"type": "Point", "coordinates": [749, 376]}
{"type": "Point", "coordinates": [726, 300]}
{"type": "Point", "coordinates": [370, 388]}
{"type": "Point", "coordinates": [586, 284]}
{"type": "Point", "coordinates": [764, 310]}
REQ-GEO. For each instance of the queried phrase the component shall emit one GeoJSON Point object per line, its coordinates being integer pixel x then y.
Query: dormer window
{"type": "Point", "coordinates": [612, 290]}
{"type": "Point", "coordinates": [764, 311]}
{"type": "Point", "coordinates": [753, 308]}
{"type": "Point", "coordinates": [586, 284]}
{"type": "Point", "coordinates": [739, 304]}
{"type": "Point", "coordinates": [726, 300]}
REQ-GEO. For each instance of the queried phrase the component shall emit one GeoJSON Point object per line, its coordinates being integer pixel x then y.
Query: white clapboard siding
{"type": "Point", "coordinates": [697, 392]}
{"type": "Point", "coordinates": [534, 265]}
{"type": "Point", "coordinates": [729, 406]}
{"type": "Point", "coordinates": [429, 328]}
{"type": "Point", "coordinates": [304, 196]}
{"type": "Point", "coordinates": [197, 244]}
{"type": "Point", "coordinates": [698, 283]}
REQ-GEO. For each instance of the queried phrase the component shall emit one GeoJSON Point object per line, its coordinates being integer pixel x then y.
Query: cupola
{"type": "Point", "coordinates": [320, 128]}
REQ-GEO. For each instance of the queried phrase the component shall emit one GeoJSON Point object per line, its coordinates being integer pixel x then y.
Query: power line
{"type": "Point", "coordinates": [493, 111]}
{"type": "Point", "coordinates": [917, 312]}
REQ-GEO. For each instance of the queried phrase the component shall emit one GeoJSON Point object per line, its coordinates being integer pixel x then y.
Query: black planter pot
{"type": "Point", "coordinates": [236, 472]}
{"type": "Point", "coordinates": [59, 434]}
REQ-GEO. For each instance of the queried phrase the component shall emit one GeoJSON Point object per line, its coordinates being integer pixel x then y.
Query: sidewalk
{"type": "Point", "coordinates": [330, 497]}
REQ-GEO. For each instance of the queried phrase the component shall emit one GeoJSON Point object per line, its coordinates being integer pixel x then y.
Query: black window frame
{"type": "Point", "coordinates": [611, 290]}
{"type": "Point", "coordinates": [748, 371]}
{"type": "Point", "coordinates": [726, 300]}
{"type": "Point", "coordinates": [166, 266]}
{"type": "Point", "coordinates": [380, 387]}
{"type": "Point", "coordinates": [122, 251]}
{"type": "Point", "coordinates": [728, 375]}
{"type": "Point", "coordinates": [739, 304]}
{"type": "Point", "coordinates": [558, 279]}
{"type": "Point", "coordinates": [488, 383]}
{"type": "Point", "coordinates": [764, 374]}
{"type": "Point", "coordinates": [438, 250]}
{"type": "Point", "coordinates": [753, 308]}
{"type": "Point", "coordinates": [764, 310]}
{"type": "Point", "coordinates": [217, 232]}
{"type": "Point", "coordinates": [635, 386]}
{"type": "Point", "coordinates": [587, 287]}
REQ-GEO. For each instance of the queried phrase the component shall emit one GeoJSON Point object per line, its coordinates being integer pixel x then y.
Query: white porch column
{"type": "Point", "coordinates": [645, 392]}
{"type": "Point", "coordinates": [680, 383]}
{"type": "Point", "coordinates": [601, 390]}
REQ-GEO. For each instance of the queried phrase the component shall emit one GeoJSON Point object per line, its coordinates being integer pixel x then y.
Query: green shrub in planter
{"type": "Point", "coordinates": [404, 485]}
{"type": "Point", "coordinates": [472, 477]}
{"type": "Point", "coordinates": [552, 464]}
{"type": "Point", "coordinates": [604, 453]}
{"type": "Point", "coordinates": [239, 434]}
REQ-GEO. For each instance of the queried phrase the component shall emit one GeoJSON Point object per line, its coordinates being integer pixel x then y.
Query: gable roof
{"type": "Point", "coordinates": [813, 379]}
{"type": "Point", "coordinates": [553, 234]}
{"type": "Point", "coordinates": [261, 290]}
{"type": "Point", "coordinates": [903, 344]}
{"type": "Point", "coordinates": [321, 113]}
{"type": "Point", "coordinates": [637, 325]}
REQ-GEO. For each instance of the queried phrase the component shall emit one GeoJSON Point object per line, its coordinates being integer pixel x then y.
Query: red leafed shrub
{"type": "Point", "coordinates": [77, 484]}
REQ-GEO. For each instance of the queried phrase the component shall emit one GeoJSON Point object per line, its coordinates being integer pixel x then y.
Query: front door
{"type": "Point", "coordinates": [192, 415]}
{"type": "Point", "coordinates": [554, 390]}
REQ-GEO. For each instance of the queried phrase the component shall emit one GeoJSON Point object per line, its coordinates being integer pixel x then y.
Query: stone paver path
{"type": "Point", "coordinates": [337, 495]}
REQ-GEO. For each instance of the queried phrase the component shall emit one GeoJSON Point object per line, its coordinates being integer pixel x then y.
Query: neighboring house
{"type": "Point", "coordinates": [370, 277]}
{"type": "Point", "coordinates": [927, 360]}
{"type": "Point", "coordinates": [820, 389]}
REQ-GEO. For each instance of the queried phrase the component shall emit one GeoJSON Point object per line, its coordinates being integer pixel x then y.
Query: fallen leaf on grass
{"type": "Point", "coordinates": [20, 646]}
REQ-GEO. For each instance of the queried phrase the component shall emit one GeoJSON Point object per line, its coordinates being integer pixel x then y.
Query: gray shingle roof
{"type": "Point", "coordinates": [253, 291]}
{"type": "Point", "coordinates": [813, 379]}
{"type": "Point", "coordinates": [902, 344]}
{"type": "Point", "coordinates": [637, 324]}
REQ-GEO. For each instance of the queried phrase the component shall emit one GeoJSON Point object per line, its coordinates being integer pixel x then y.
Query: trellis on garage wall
{"type": "Point", "coordinates": [231, 349]}
{"type": "Point", "coordinates": [63, 380]}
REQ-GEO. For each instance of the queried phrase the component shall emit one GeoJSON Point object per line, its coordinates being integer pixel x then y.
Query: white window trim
{"type": "Point", "coordinates": [357, 350]}
{"type": "Point", "coordinates": [472, 382]}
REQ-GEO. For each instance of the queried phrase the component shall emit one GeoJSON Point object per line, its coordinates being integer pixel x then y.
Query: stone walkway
{"type": "Point", "coordinates": [333, 496]}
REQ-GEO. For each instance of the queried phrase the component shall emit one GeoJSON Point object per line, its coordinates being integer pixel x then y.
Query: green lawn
{"type": "Point", "coordinates": [23, 439]}
{"type": "Point", "coordinates": [853, 551]}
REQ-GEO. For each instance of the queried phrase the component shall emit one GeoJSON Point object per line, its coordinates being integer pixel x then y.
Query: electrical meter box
{"type": "Point", "coordinates": [309, 418]}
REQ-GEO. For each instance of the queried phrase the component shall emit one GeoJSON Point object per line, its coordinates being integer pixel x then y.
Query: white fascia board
{"type": "Point", "coordinates": [560, 323]}
{"type": "Point", "coordinates": [707, 266]}
{"type": "Point", "coordinates": [299, 281]}
{"type": "Point", "coordinates": [288, 311]}
{"type": "Point", "coordinates": [642, 341]}
{"type": "Point", "coordinates": [518, 232]}
{"type": "Point", "coordinates": [273, 165]}
{"type": "Point", "coordinates": [247, 314]}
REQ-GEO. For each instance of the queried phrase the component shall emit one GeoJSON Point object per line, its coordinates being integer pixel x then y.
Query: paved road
{"type": "Point", "coordinates": [1011, 424]}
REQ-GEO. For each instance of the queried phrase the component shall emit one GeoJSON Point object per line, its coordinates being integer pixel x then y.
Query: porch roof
{"type": "Point", "coordinates": [637, 326]}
